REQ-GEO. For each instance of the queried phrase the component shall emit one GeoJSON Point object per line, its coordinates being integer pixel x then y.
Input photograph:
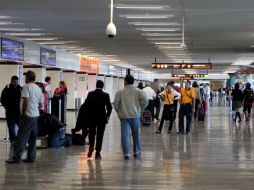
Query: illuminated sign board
{"type": "Point", "coordinates": [190, 75]}
{"type": "Point", "coordinates": [182, 66]}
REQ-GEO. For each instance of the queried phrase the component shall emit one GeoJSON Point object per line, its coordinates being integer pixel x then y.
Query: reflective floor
{"type": "Point", "coordinates": [217, 155]}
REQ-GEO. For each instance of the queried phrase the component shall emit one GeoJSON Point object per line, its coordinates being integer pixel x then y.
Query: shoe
{"type": "Point", "coordinates": [234, 119]}
{"type": "Point", "coordinates": [158, 132]}
{"type": "Point", "coordinates": [136, 154]}
{"type": "Point", "coordinates": [126, 157]}
{"type": "Point", "coordinates": [180, 133]}
{"type": "Point", "coordinates": [12, 161]}
{"type": "Point", "coordinates": [239, 120]}
{"type": "Point", "coordinates": [247, 119]}
{"type": "Point", "coordinates": [28, 160]}
{"type": "Point", "coordinates": [169, 132]}
{"type": "Point", "coordinates": [186, 133]}
{"type": "Point", "coordinates": [89, 154]}
{"type": "Point", "coordinates": [97, 156]}
{"type": "Point", "coordinates": [73, 131]}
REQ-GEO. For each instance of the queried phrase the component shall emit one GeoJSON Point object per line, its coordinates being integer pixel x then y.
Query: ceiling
{"type": "Point", "coordinates": [221, 30]}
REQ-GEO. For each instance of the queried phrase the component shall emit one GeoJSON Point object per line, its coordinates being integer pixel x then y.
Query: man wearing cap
{"type": "Point", "coordinates": [30, 105]}
{"type": "Point", "coordinates": [187, 107]}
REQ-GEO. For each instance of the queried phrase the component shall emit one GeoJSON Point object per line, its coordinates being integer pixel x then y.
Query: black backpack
{"type": "Point", "coordinates": [250, 96]}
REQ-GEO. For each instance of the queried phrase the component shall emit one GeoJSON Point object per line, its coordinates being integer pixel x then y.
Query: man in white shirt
{"type": "Point", "coordinates": [31, 103]}
{"type": "Point", "coordinates": [150, 95]}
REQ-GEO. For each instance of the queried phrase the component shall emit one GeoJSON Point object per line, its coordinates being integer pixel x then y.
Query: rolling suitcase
{"type": "Point", "coordinates": [146, 118]}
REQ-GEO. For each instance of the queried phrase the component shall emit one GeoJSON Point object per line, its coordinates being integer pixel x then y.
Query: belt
{"type": "Point", "coordinates": [187, 104]}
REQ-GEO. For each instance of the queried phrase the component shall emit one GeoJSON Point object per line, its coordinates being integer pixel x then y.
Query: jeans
{"type": "Point", "coordinates": [27, 134]}
{"type": "Point", "coordinates": [168, 111]}
{"type": "Point", "coordinates": [58, 139]}
{"type": "Point", "coordinates": [132, 124]}
{"type": "Point", "coordinates": [185, 110]}
{"type": "Point", "coordinates": [98, 131]}
{"type": "Point", "coordinates": [12, 120]}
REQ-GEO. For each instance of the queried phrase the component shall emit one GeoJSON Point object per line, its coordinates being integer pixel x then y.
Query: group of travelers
{"type": "Point", "coordinates": [129, 103]}
{"type": "Point", "coordinates": [242, 98]}
{"type": "Point", "coordinates": [24, 105]}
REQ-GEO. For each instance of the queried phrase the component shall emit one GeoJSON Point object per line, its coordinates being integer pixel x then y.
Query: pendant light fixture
{"type": "Point", "coordinates": [183, 45]}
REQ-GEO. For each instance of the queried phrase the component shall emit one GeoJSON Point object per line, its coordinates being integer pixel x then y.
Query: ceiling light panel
{"type": "Point", "coordinates": [147, 16]}
{"type": "Point", "coordinates": [142, 7]}
{"type": "Point", "coordinates": [24, 34]}
{"type": "Point", "coordinates": [154, 23]}
{"type": "Point", "coordinates": [160, 35]}
{"type": "Point", "coordinates": [163, 39]}
{"type": "Point", "coordinates": [158, 29]}
{"type": "Point", "coordinates": [41, 39]}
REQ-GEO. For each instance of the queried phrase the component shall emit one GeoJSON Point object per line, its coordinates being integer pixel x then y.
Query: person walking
{"type": "Point", "coordinates": [197, 98]}
{"type": "Point", "coordinates": [187, 107]}
{"type": "Point", "coordinates": [129, 103]}
{"type": "Point", "coordinates": [157, 102]}
{"type": "Point", "coordinates": [207, 92]}
{"type": "Point", "coordinates": [169, 95]}
{"type": "Point", "coordinates": [150, 94]}
{"type": "Point", "coordinates": [99, 108]}
{"type": "Point", "coordinates": [10, 99]}
{"type": "Point", "coordinates": [248, 98]}
{"type": "Point", "coordinates": [237, 101]}
{"type": "Point", "coordinates": [31, 104]}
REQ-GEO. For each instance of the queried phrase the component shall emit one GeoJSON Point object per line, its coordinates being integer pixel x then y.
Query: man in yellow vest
{"type": "Point", "coordinates": [187, 107]}
{"type": "Point", "coordinates": [168, 96]}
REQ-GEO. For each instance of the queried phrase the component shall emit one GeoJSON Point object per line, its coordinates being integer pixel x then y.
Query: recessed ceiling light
{"type": "Point", "coordinates": [147, 16]}
{"type": "Point", "coordinates": [147, 7]}
{"type": "Point", "coordinates": [158, 29]}
{"type": "Point", "coordinates": [154, 23]}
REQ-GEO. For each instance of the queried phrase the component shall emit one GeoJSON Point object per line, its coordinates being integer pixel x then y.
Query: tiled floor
{"type": "Point", "coordinates": [217, 155]}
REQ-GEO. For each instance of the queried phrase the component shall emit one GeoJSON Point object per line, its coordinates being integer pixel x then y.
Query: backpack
{"type": "Point", "coordinates": [250, 96]}
{"type": "Point", "coordinates": [146, 118]}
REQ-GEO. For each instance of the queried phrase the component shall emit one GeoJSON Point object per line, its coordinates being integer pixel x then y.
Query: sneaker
{"type": "Point", "coordinates": [28, 160]}
{"type": "Point", "coordinates": [136, 154]}
{"type": "Point", "coordinates": [126, 157]}
{"type": "Point", "coordinates": [158, 132]}
{"type": "Point", "coordinates": [12, 161]}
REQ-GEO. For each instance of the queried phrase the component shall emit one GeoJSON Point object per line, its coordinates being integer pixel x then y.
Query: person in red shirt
{"type": "Point", "coordinates": [61, 90]}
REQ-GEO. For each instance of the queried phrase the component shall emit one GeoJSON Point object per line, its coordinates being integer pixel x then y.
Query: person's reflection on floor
{"type": "Point", "coordinates": [131, 173]}
{"type": "Point", "coordinates": [95, 175]}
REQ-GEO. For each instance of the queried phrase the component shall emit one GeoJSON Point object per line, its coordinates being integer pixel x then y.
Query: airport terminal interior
{"type": "Point", "coordinates": [159, 47]}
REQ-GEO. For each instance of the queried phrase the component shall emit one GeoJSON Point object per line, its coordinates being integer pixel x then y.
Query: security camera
{"type": "Point", "coordinates": [111, 30]}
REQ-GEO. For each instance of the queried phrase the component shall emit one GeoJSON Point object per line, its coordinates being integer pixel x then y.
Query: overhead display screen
{"type": "Point", "coordinates": [182, 66]}
{"type": "Point", "coordinates": [48, 57]}
{"type": "Point", "coordinates": [11, 49]}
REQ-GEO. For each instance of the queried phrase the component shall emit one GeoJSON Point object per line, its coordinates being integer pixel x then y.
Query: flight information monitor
{"type": "Point", "coordinates": [12, 50]}
{"type": "Point", "coordinates": [48, 57]}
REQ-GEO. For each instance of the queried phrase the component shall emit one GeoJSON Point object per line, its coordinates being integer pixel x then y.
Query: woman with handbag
{"type": "Point", "coordinates": [168, 96]}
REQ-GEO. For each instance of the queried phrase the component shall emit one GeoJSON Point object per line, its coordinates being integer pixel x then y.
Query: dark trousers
{"type": "Point", "coordinates": [175, 109]}
{"type": "Point", "coordinates": [197, 102]}
{"type": "Point", "coordinates": [185, 110]}
{"type": "Point", "coordinates": [157, 107]}
{"type": "Point", "coordinates": [167, 114]}
{"type": "Point", "coordinates": [12, 119]}
{"type": "Point", "coordinates": [98, 131]}
{"type": "Point", "coordinates": [150, 107]}
{"type": "Point", "coordinates": [27, 134]}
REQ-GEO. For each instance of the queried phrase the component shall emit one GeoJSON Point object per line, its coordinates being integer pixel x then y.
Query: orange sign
{"type": "Point", "coordinates": [89, 65]}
